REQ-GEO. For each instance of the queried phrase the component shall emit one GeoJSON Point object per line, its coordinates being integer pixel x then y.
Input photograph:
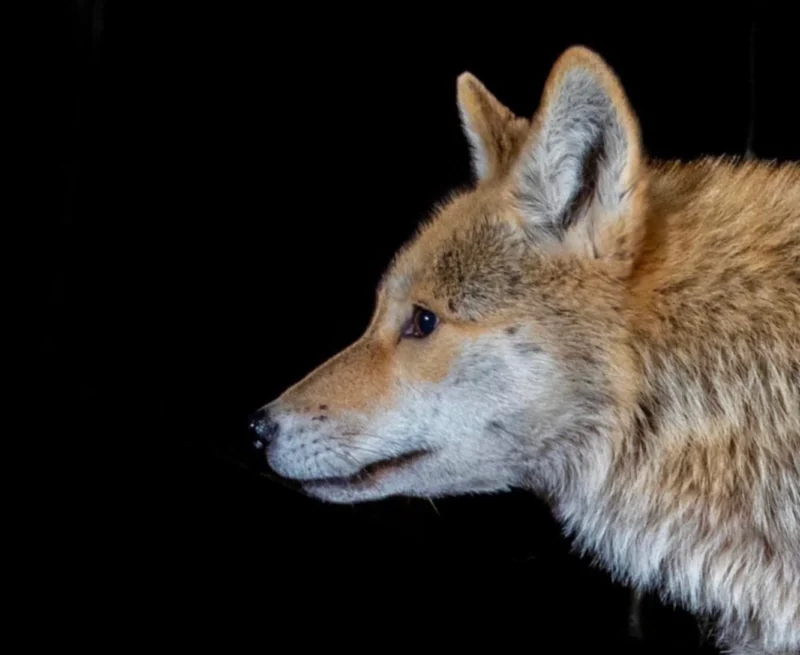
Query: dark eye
{"type": "Point", "coordinates": [423, 322]}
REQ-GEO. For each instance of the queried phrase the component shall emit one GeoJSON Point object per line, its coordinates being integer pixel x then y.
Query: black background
{"type": "Point", "coordinates": [233, 180]}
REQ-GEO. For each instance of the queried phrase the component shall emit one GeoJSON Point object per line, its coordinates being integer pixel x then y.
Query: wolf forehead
{"type": "Point", "coordinates": [469, 256]}
{"type": "Point", "coordinates": [476, 258]}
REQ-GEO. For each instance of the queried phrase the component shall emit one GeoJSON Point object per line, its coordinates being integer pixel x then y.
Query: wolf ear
{"type": "Point", "coordinates": [577, 177]}
{"type": "Point", "coordinates": [495, 134]}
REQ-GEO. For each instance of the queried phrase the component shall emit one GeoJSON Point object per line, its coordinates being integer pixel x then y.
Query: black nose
{"type": "Point", "coordinates": [262, 430]}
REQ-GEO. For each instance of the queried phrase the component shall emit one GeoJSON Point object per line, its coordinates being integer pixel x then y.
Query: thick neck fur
{"type": "Point", "coordinates": [694, 489]}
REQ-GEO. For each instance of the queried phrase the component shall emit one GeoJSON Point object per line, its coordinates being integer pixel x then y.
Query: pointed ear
{"type": "Point", "coordinates": [494, 133]}
{"type": "Point", "coordinates": [578, 177]}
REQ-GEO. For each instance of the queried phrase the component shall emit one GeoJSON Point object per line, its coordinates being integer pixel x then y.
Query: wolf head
{"type": "Point", "coordinates": [494, 355]}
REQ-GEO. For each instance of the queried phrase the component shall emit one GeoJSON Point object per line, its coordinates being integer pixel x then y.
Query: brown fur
{"type": "Point", "coordinates": [673, 309]}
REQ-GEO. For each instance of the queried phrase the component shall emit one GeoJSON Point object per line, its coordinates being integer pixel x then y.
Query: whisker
{"type": "Point", "coordinates": [348, 457]}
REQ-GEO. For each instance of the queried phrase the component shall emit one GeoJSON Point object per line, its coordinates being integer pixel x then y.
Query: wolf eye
{"type": "Point", "coordinates": [423, 322]}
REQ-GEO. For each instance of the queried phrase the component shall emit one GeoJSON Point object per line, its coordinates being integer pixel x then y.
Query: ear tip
{"type": "Point", "coordinates": [467, 82]}
{"type": "Point", "coordinates": [582, 56]}
{"type": "Point", "coordinates": [579, 52]}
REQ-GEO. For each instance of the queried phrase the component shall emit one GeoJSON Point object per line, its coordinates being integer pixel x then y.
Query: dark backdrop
{"type": "Point", "coordinates": [234, 180]}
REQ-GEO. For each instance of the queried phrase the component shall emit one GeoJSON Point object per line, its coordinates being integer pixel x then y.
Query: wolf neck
{"type": "Point", "coordinates": [706, 445]}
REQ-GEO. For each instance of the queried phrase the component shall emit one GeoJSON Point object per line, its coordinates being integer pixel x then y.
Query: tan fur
{"type": "Point", "coordinates": [661, 334]}
{"type": "Point", "coordinates": [493, 123]}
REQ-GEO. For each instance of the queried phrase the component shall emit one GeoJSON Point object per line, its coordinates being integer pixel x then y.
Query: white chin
{"type": "Point", "coordinates": [333, 492]}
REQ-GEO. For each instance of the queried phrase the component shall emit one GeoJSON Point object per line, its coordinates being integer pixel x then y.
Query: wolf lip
{"type": "Point", "coordinates": [370, 472]}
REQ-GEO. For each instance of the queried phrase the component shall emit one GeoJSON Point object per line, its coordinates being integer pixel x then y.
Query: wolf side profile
{"type": "Point", "coordinates": [617, 335]}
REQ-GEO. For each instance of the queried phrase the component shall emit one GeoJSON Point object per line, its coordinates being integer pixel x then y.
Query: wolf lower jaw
{"type": "Point", "coordinates": [400, 476]}
{"type": "Point", "coordinates": [366, 480]}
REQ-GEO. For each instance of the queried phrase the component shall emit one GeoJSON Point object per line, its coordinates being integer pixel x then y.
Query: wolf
{"type": "Point", "coordinates": [616, 334]}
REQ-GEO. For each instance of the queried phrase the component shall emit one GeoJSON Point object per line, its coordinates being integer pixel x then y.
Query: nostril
{"type": "Point", "coordinates": [263, 428]}
{"type": "Point", "coordinates": [251, 449]}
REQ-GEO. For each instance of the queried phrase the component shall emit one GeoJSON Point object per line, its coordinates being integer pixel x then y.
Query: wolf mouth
{"type": "Point", "coordinates": [370, 473]}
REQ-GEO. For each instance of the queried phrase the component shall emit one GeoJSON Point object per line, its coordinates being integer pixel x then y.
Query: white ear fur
{"type": "Point", "coordinates": [583, 154]}
{"type": "Point", "coordinates": [479, 149]}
